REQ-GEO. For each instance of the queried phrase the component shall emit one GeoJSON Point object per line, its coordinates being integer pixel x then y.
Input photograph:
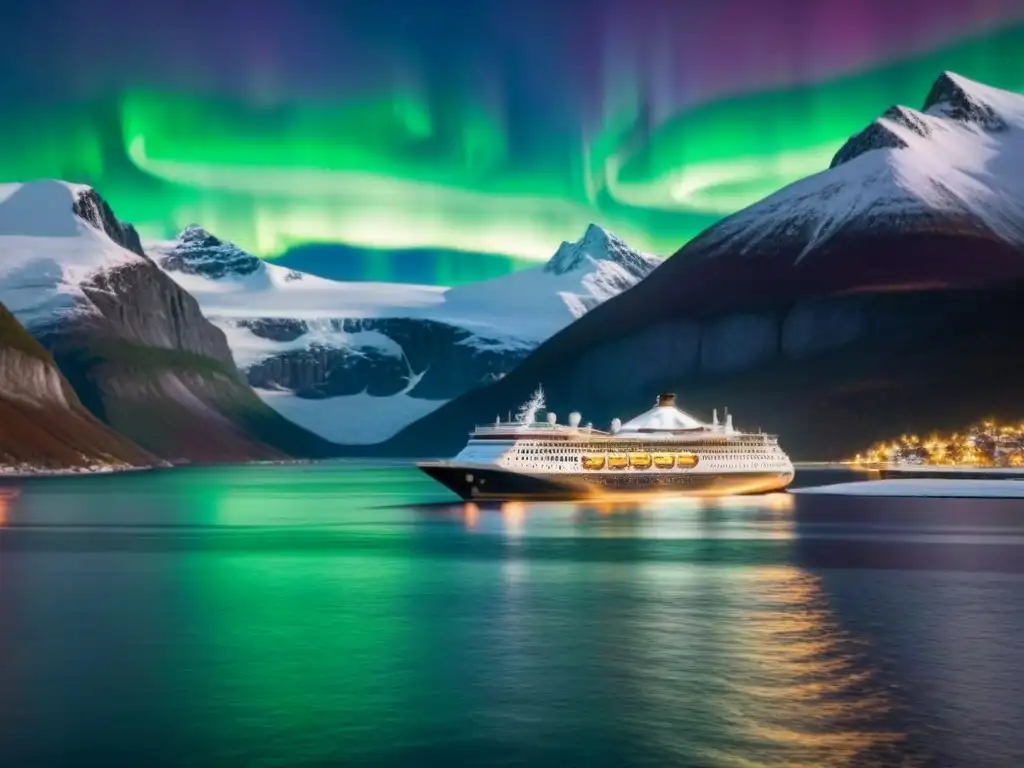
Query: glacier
{"type": "Point", "coordinates": [356, 362]}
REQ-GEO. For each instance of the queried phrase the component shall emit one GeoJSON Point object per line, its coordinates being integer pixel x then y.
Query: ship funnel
{"type": "Point", "coordinates": [574, 419]}
{"type": "Point", "coordinates": [667, 400]}
{"type": "Point", "coordinates": [616, 425]}
{"type": "Point", "coordinates": [728, 422]}
{"type": "Point", "coordinates": [714, 417]}
{"type": "Point", "coordinates": [552, 418]}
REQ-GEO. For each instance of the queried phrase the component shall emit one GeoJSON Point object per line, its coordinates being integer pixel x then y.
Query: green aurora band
{"type": "Point", "coordinates": [390, 173]}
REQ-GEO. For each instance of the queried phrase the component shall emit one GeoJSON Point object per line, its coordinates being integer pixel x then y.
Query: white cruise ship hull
{"type": "Point", "coordinates": [485, 482]}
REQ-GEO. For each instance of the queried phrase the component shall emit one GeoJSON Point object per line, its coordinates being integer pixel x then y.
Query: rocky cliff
{"type": "Point", "coordinates": [133, 344]}
{"type": "Point", "coordinates": [152, 366]}
{"type": "Point", "coordinates": [383, 358]}
{"type": "Point", "coordinates": [43, 425]}
{"type": "Point", "coordinates": [90, 207]}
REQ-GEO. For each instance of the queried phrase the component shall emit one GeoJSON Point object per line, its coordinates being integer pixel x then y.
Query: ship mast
{"type": "Point", "coordinates": [527, 413]}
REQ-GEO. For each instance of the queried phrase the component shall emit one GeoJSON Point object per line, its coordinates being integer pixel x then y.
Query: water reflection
{"type": "Point", "coordinates": [472, 516]}
{"type": "Point", "coordinates": [304, 644]}
{"type": "Point", "coordinates": [762, 517]}
{"type": "Point", "coordinates": [298, 617]}
{"type": "Point", "coordinates": [7, 498]}
{"type": "Point", "coordinates": [954, 654]}
{"type": "Point", "coordinates": [804, 692]}
{"type": "Point", "coordinates": [514, 515]}
{"type": "Point", "coordinates": [773, 676]}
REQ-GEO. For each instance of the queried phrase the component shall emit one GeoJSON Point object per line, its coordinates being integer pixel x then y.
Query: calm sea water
{"type": "Point", "coordinates": [350, 614]}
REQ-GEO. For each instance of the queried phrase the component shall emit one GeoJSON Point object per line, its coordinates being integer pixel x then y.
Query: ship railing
{"type": "Point", "coordinates": [534, 427]}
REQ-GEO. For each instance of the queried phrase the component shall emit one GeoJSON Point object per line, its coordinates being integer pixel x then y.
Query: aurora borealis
{"type": "Point", "coordinates": [496, 128]}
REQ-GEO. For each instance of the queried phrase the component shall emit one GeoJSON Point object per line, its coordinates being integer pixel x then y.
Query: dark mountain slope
{"type": "Point", "coordinates": [43, 426]}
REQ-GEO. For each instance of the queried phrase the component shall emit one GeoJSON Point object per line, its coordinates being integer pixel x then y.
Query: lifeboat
{"type": "Point", "coordinates": [617, 462]}
{"type": "Point", "coordinates": [640, 460]}
{"type": "Point", "coordinates": [686, 460]}
{"type": "Point", "coordinates": [664, 460]}
{"type": "Point", "coordinates": [592, 462]}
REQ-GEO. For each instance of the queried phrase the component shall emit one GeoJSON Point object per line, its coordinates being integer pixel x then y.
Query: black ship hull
{"type": "Point", "coordinates": [490, 483]}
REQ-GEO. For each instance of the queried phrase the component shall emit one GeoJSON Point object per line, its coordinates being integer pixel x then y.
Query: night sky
{"type": "Point", "coordinates": [485, 126]}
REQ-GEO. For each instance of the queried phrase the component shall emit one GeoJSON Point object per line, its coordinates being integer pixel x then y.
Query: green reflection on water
{"type": "Point", "coordinates": [680, 629]}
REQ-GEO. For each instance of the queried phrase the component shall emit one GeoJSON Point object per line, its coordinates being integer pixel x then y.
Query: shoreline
{"type": "Point", "coordinates": [9, 473]}
{"type": "Point", "coordinates": [21, 474]}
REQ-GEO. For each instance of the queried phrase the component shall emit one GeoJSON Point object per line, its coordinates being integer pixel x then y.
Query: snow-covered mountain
{"type": "Point", "coordinates": [919, 198]}
{"type": "Point", "coordinates": [830, 308]}
{"type": "Point", "coordinates": [539, 301]}
{"type": "Point", "coordinates": [355, 362]}
{"type": "Point", "coordinates": [955, 165]}
{"type": "Point", "coordinates": [134, 346]}
{"type": "Point", "coordinates": [49, 251]}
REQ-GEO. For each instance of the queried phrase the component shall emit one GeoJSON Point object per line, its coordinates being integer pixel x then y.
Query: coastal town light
{"type": "Point", "coordinates": [985, 444]}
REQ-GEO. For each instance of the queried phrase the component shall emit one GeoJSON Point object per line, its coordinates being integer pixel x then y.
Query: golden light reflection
{"type": "Point", "coordinates": [514, 514]}
{"type": "Point", "coordinates": [779, 502]}
{"type": "Point", "coordinates": [611, 504]}
{"type": "Point", "coordinates": [471, 515]}
{"type": "Point", "coordinates": [7, 499]}
{"type": "Point", "coordinates": [740, 518]}
{"type": "Point", "coordinates": [802, 690]}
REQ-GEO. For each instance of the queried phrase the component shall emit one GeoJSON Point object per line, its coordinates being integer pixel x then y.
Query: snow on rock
{"type": "Point", "coordinates": [47, 252]}
{"type": "Point", "coordinates": [319, 351]}
{"type": "Point", "coordinates": [531, 304]}
{"type": "Point", "coordinates": [969, 102]}
{"type": "Point", "coordinates": [540, 301]}
{"type": "Point", "coordinates": [228, 282]}
{"type": "Point", "coordinates": [961, 158]}
{"type": "Point", "coordinates": [884, 133]}
{"type": "Point", "coordinates": [197, 252]}
{"type": "Point", "coordinates": [249, 348]}
{"type": "Point", "coordinates": [597, 245]}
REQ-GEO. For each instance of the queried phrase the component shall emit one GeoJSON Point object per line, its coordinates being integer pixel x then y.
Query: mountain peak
{"type": "Point", "coordinates": [952, 97]}
{"type": "Point", "coordinates": [91, 207]}
{"type": "Point", "coordinates": [598, 244]}
{"type": "Point", "coordinates": [54, 208]}
{"type": "Point", "coordinates": [197, 251]}
{"type": "Point", "coordinates": [884, 133]}
{"type": "Point", "coordinates": [194, 233]}
{"type": "Point", "coordinates": [965, 101]}
{"type": "Point", "coordinates": [595, 234]}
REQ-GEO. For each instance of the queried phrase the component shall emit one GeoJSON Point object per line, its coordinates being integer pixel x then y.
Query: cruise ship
{"type": "Point", "coordinates": [663, 450]}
